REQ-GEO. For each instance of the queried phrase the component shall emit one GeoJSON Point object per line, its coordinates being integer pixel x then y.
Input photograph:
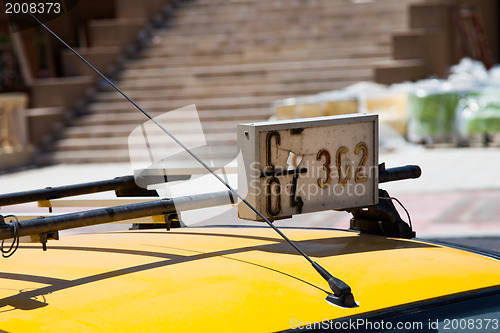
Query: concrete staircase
{"type": "Point", "coordinates": [232, 58]}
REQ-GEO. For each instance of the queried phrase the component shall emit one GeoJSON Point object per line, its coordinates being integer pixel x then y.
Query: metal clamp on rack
{"type": "Point", "coordinates": [383, 218]}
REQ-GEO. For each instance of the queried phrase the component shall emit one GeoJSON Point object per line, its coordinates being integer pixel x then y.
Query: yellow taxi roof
{"type": "Point", "coordinates": [229, 279]}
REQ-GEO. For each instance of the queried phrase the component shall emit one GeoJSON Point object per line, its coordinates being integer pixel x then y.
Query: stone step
{"type": "Point", "coordinates": [332, 78]}
{"type": "Point", "coordinates": [239, 104]}
{"type": "Point", "coordinates": [205, 91]}
{"type": "Point", "coordinates": [123, 155]}
{"type": "Point", "coordinates": [299, 24]}
{"type": "Point", "coordinates": [77, 144]}
{"type": "Point", "coordinates": [247, 69]}
{"type": "Point", "coordinates": [102, 58]}
{"type": "Point", "coordinates": [137, 117]}
{"type": "Point", "coordinates": [133, 9]}
{"type": "Point", "coordinates": [114, 32]}
{"type": "Point", "coordinates": [250, 49]}
{"type": "Point", "coordinates": [123, 130]}
{"type": "Point", "coordinates": [395, 71]}
{"type": "Point", "coordinates": [157, 59]}
{"type": "Point", "coordinates": [259, 3]}
{"type": "Point", "coordinates": [59, 92]}
{"type": "Point", "coordinates": [196, 12]}
{"type": "Point", "coordinates": [188, 42]}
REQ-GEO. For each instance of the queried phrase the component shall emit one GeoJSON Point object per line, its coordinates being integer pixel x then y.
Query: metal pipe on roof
{"type": "Point", "coordinates": [113, 214]}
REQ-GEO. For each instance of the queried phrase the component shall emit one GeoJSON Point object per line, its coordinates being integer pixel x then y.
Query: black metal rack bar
{"type": "Point", "coordinates": [124, 184]}
{"type": "Point", "coordinates": [112, 214]}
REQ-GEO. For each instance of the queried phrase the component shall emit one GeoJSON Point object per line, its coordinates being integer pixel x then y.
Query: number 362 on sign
{"type": "Point", "coordinates": [306, 165]}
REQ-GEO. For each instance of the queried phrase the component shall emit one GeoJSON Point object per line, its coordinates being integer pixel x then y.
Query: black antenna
{"type": "Point", "coordinates": [341, 291]}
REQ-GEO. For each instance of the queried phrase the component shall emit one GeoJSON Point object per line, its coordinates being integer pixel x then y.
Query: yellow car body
{"type": "Point", "coordinates": [225, 279]}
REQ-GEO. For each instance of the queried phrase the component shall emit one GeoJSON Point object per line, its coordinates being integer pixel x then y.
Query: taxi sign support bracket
{"type": "Point", "coordinates": [383, 218]}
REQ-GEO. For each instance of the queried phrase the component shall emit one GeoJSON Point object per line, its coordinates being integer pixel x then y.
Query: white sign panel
{"type": "Point", "coordinates": [306, 165]}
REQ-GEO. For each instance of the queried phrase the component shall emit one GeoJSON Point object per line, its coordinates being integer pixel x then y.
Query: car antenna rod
{"type": "Point", "coordinates": [342, 294]}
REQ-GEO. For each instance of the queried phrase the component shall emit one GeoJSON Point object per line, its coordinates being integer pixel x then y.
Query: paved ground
{"type": "Point", "coordinates": [457, 197]}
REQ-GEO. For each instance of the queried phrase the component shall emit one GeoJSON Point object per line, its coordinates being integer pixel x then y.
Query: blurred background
{"type": "Point", "coordinates": [427, 67]}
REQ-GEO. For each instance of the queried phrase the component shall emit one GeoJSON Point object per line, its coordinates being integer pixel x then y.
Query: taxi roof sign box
{"type": "Point", "coordinates": [306, 165]}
